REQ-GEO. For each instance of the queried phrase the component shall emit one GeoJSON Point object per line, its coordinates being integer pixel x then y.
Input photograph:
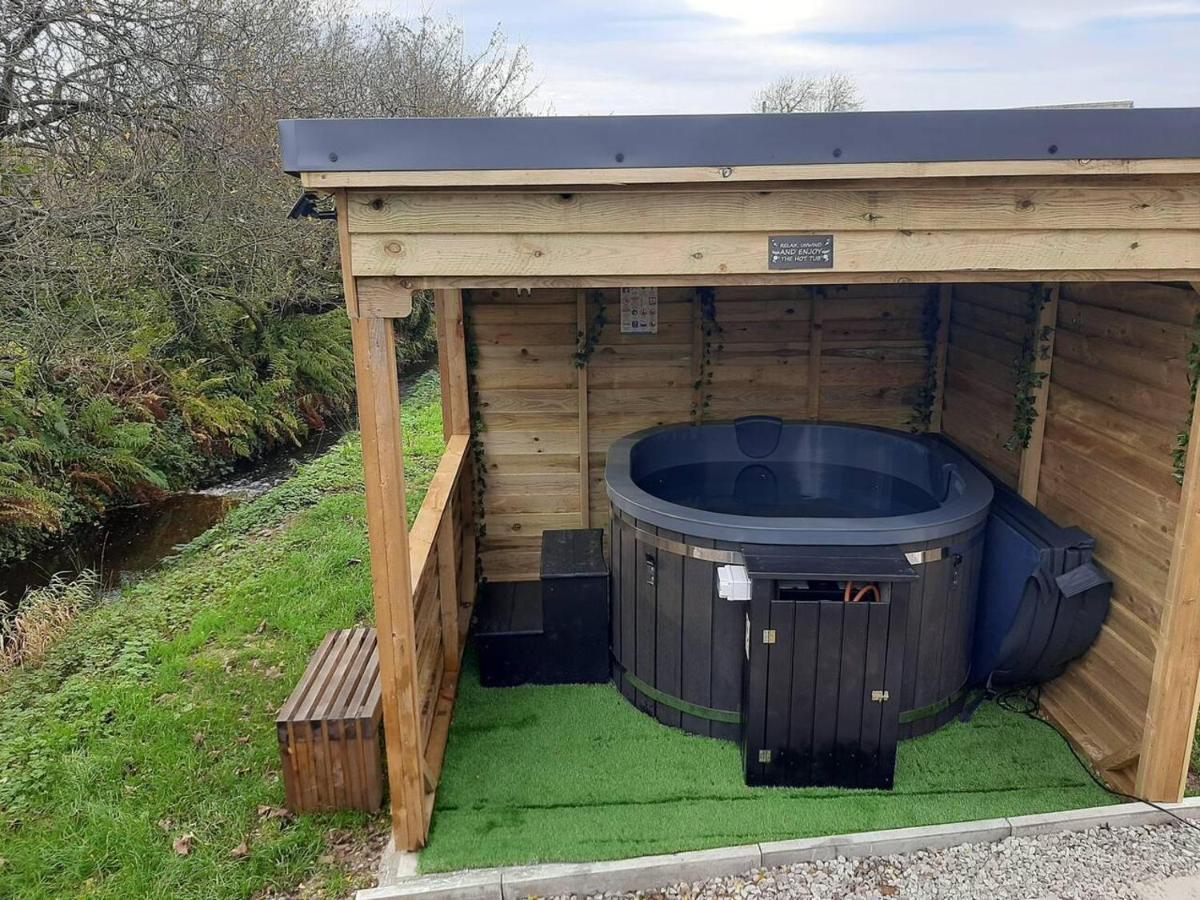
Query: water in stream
{"type": "Point", "coordinates": [132, 540]}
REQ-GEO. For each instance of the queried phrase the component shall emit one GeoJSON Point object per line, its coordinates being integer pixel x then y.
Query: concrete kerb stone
{"type": "Point", "coordinates": [471, 884]}
{"type": "Point", "coordinates": [649, 872]}
{"type": "Point", "coordinates": [1123, 815]}
{"type": "Point", "coordinates": [884, 843]}
{"type": "Point", "coordinates": [629, 874]}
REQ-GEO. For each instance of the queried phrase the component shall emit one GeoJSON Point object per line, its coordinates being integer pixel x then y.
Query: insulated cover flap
{"type": "Point", "coordinates": [1080, 579]}
{"type": "Point", "coordinates": [1079, 538]}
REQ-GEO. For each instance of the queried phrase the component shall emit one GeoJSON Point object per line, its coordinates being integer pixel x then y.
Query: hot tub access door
{"type": "Point", "coordinates": [822, 677]}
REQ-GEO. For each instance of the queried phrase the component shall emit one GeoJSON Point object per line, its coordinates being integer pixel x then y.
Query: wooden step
{"type": "Point", "coordinates": [329, 728]}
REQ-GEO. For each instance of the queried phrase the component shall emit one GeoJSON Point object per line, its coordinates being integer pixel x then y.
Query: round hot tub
{"type": "Point", "coordinates": [687, 500]}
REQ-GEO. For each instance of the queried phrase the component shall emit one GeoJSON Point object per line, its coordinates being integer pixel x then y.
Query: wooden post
{"type": "Point", "coordinates": [941, 348]}
{"type": "Point", "coordinates": [456, 419]}
{"type": "Point", "coordinates": [387, 529]}
{"type": "Point", "coordinates": [341, 204]}
{"type": "Point", "coordinates": [1175, 684]}
{"type": "Point", "coordinates": [447, 560]}
{"type": "Point", "coordinates": [1043, 360]}
{"type": "Point", "coordinates": [452, 362]}
{"type": "Point", "coordinates": [815, 323]}
{"type": "Point", "coordinates": [585, 475]}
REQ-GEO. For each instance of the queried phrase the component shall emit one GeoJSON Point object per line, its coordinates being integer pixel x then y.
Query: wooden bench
{"type": "Point", "coordinates": [329, 728]}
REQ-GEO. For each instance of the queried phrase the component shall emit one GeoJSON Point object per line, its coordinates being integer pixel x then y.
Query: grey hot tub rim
{"type": "Point", "coordinates": [968, 492]}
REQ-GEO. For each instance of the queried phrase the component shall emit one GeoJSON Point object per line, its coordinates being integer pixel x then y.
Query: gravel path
{"type": "Point", "coordinates": [1100, 863]}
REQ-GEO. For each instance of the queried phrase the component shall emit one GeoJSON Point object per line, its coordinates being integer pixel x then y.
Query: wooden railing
{"type": "Point", "coordinates": [423, 578]}
{"type": "Point", "coordinates": [442, 562]}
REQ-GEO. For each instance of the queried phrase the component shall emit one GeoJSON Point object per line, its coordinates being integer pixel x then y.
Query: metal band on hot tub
{"type": "Point", "coordinates": [679, 548]}
{"type": "Point", "coordinates": [735, 557]}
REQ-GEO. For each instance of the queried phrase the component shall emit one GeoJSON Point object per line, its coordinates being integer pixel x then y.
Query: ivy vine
{"type": "Point", "coordinates": [922, 409]}
{"type": "Point", "coordinates": [1034, 346]}
{"type": "Point", "coordinates": [586, 341]}
{"type": "Point", "coordinates": [711, 331]}
{"type": "Point", "coordinates": [1179, 454]}
{"type": "Point", "coordinates": [478, 464]}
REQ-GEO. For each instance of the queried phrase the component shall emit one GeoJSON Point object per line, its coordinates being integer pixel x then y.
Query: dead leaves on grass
{"type": "Point", "coordinates": [268, 813]}
{"type": "Point", "coordinates": [183, 844]}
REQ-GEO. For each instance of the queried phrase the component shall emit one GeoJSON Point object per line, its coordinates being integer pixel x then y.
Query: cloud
{"type": "Point", "coordinates": [864, 16]}
{"type": "Point", "coordinates": [688, 56]}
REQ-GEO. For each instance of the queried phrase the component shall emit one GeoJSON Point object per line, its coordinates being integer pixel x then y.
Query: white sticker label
{"type": "Point", "coordinates": [639, 310]}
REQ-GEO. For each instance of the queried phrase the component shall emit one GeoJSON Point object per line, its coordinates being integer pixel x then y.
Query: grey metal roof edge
{"type": "Point", "coordinates": [748, 139]}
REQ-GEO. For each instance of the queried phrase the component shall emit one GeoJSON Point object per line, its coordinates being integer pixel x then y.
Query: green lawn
{"type": "Point", "coordinates": [153, 718]}
{"type": "Point", "coordinates": [536, 774]}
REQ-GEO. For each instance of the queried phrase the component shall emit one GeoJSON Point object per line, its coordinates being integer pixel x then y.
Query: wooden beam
{"type": "Point", "coordinates": [452, 362]}
{"type": "Point", "coordinates": [384, 297]}
{"type": "Point", "coordinates": [735, 174]}
{"type": "Point", "coordinates": [447, 559]}
{"type": "Point", "coordinates": [582, 325]}
{"type": "Point", "coordinates": [1175, 685]}
{"type": "Point", "coordinates": [940, 350]}
{"type": "Point", "coordinates": [438, 496]}
{"type": "Point", "coordinates": [896, 276]}
{"type": "Point", "coordinates": [341, 205]}
{"type": "Point", "coordinates": [1031, 456]}
{"type": "Point", "coordinates": [815, 329]}
{"type": "Point", "coordinates": [1121, 758]}
{"type": "Point", "coordinates": [387, 528]}
{"type": "Point", "coordinates": [804, 208]}
{"type": "Point", "coordinates": [719, 253]}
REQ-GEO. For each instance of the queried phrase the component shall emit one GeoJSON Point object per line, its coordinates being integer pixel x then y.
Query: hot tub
{"type": "Point", "coordinates": [688, 500]}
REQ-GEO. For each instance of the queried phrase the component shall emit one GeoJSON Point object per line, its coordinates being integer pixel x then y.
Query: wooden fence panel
{"type": "Point", "coordinates": [1118, 401]}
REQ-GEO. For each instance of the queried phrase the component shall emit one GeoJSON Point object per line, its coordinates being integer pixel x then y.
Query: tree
{"type": "Point", "coordinates": [159, 314]}
{"type": "Point", "coordinates": [833, 92]}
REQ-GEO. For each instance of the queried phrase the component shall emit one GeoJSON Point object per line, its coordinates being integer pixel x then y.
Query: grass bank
{"type": "Point", "coordinates": [148, 728]}
{"type": "Point", "coordinates": [139, 758]}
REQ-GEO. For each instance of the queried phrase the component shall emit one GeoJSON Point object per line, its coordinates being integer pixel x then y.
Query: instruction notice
{"type": "Point", "coordinates": [800, 251]}
{"type": "Point", "coordinates": [639, 310]}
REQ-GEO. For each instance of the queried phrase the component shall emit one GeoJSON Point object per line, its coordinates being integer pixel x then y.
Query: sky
{"type": "Point", "coordinates": [601, 57]}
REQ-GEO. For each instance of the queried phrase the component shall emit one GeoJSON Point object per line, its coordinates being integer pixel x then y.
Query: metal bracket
{"type": "Point", "coordinates": [918, 557]}
{"type": "Point", "coordinates": [764, 756]}
{"type": "Point", "coordinates": [768, 635]}
{"type": "Point", "coordinates": [880, 696]}
{"type": "Point", "coordinates": [306, 208]}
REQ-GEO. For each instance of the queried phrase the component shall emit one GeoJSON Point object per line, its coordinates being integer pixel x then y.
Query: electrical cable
{"type": "Point", "coordinates": [1032, 707]}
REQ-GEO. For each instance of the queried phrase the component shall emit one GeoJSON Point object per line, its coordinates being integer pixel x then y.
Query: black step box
{"type": "Point", "coordinates": [552, 631]}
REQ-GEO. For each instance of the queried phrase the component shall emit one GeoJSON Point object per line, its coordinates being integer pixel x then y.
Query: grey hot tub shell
{"type": "Point", "coordinates": [679, 648]}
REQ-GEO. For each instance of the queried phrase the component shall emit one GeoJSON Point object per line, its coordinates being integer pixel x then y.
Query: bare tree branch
{"type": "Point", "coordinates": [833, 92]}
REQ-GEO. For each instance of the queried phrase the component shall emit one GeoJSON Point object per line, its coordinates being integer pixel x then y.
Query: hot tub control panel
{"type": "Point", "coordinates": [817, 703]}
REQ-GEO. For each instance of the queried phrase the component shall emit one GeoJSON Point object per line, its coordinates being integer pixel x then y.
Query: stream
{"type": "Point", "coordinates": [131, 540]}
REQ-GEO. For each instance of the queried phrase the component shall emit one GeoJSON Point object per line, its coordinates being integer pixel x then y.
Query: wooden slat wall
{"type": "Point", "coordinates": [638, 381]}
{"type": "Point", "coordinates": [871, 366]}
{"type": "Point", "coordinates": [1118, 399]}
{"type": "Point", "coordinates": [987, 326]}
{"type": "Point", "coordinates": [909, 225]}
{"type": "Point", "coordinates": [527, 401]}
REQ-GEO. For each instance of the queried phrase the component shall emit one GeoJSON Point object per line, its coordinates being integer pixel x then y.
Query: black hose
{"type": "Point", "coordinates": [1028, 702]}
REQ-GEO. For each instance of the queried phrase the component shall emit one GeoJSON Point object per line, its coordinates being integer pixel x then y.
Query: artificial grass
{"type": "Point", "coordinates": [153, 716]}
{"type": "Point", "coordinates": [575, 773]}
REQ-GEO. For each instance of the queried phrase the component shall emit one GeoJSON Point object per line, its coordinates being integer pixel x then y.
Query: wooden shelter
{"type": "Point", "coordinates": [1023, 281]}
